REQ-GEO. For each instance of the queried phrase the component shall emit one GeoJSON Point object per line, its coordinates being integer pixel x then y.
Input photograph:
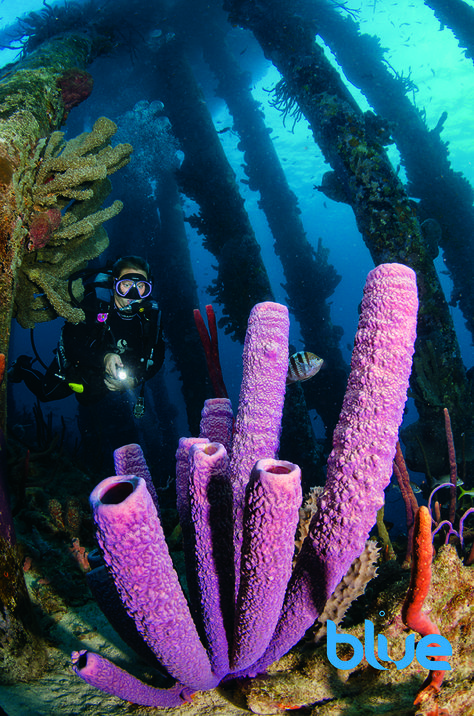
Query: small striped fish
{"type": "Point", "coordinates": [302, 366]}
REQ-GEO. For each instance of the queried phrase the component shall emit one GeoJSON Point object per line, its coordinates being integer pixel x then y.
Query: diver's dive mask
{"type": "Point", "coordinates": [133, 286]}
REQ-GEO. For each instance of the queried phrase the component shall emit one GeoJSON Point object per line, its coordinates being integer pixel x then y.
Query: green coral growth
{"type": "Point", "coordinates": [59, 196]}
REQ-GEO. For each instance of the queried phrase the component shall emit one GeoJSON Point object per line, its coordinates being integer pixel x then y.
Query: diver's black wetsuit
{"type": "Point", "coordinates": [133, 334]}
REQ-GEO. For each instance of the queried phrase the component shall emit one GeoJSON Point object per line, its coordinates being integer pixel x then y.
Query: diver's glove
{"type": "Point", "coordinates": [112, 364]}
{"type": "Point", "coordinates": [114, 384]}
{"type": "Point", "coordinates": [116, 377]}
{"type": "Point", "coordinates": [120, 384]}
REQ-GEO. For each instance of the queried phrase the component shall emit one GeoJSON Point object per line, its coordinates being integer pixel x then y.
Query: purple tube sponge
{"type": "Point", "coordinates": [273, 609]}
{"type": "Point", "coordinates": [211, 504]}
{"type": "Point", "coordinates": [104, 675]}
{"type": "Point", "coordinates": [134, 547]}
{"type": "Point", "coordinates": [360, 464]}
{"type": "Point", "coordinates": [130, 460]}
{"type": "Point", "coordinates": [217, 422]}
{"type": "Point", "coordinates": [262, 394]}
{"type": "Point", "coordinates": [273, 499]}
{"type": "Point", "coordinates": [183, 505]}
{"type": "Point", "coordinates": [182, 481]}
{"type": "Point", "coordinates": [365, 438]}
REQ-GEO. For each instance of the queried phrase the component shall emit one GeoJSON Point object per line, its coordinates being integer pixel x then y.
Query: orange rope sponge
{"type": "Point", "coordinates": [412, 615]}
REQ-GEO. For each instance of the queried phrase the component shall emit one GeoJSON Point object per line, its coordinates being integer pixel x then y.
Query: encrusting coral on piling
{"type": "Point", "coordinates": [59, 193]}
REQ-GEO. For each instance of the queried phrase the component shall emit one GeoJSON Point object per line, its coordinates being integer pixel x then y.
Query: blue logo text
{"type": "Point", "coordinates": [430, 645]}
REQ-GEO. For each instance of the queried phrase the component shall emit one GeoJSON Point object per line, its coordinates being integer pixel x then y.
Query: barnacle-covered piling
{"type": "Point", "coordinates": [353, 143]}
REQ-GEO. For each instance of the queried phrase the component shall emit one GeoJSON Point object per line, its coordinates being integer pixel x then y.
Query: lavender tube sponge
{"type": "Point", "coordinates": [130, 460]}
{"type": "Point", "coordinates": [217, 422]}
{"type": "Point", "coordinates": [211, 512]}
{"type": "Point", "coordinates": [360, 464]}
{"type": "Point", "coordinates": [262, 394]}
{"type": "Point", "coordinates": [101, 673]}
{"type": "Point", "coordinates": [273, 499]}
{"type": "Point", "coordinates": [365, 438]}
{"type": "Point", "coordinates": [182, 482]}
{"type": "Point", "coordinates": [132, 540]}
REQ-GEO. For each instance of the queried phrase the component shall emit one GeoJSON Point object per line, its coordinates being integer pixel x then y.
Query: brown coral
{"type": "Point", "coordinates": [351, 586]}
{"type": "Point", "coordinates": [62, 202]}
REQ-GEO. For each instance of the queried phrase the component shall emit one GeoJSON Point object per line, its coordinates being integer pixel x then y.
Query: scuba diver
{"type": "Point", "coordinates": [116, 348]}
